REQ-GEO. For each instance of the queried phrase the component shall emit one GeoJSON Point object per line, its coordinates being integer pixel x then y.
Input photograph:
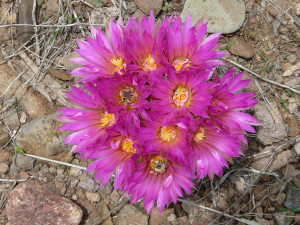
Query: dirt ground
{"type": "Point", "coordinates": [262, 187]}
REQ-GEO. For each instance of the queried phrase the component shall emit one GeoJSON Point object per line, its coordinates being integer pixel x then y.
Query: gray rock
{"type": "Point", "coordinates": [147, 5]}
{"type": "Point", "coordinates": [75, 172]}
{"type": "Point", "coordinates": [281, 159]}
{"type": "Point", "coordinates": [88, 184]}
{"type": "Point", "coordinates": [225, 16]}
{"type": "Point", "coordinates": [11, 119]}
{"type": "Point", "coordinates": [32, 202]}
{"type": "Point", "coordinates": [74, 182]}
{"type": "Point", "coordinates": [42, 137]}
{"type": "Point", "coordinates": [24, 162]}
{"type": "Point", "coordinates": [293, 198]}
{"type": "Point", "coordinates": [272, 129]}
{"type": "Point", "coordinates": [131, 215]}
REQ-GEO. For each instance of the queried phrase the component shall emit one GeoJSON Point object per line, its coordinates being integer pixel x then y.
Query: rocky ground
{"type": "Point", "coordinates": [263, 187]}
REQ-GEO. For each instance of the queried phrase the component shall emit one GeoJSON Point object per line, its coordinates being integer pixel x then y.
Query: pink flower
{"type": "Point", "coordinates": [90, 121]}
{"type": "Point", "coordinates": [188, 49]}
{"type": "Point", "coordinates": [212, 148]}
{"type": "Point", "coordinates": [166, 133]}
{"type": "Point", "coordinates": [145, 39]}
{"type": "Point", "coordinates": [114, 154]}
{"type": "Point", "coordinates": [126, 96]}
{"type": "Point", "coordinates": [158, 178]}
{"type": "Point", "coordinates": [182, 93]}
{"type": "Point", "coordinates": [152, 109]}
{"type": "Point", "coordinates": [103, 55]}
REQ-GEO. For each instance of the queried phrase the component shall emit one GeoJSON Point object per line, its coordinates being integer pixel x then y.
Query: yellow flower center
{"type": "Point", "coordinates": [179, 63]}
{"type": "Point", "coordinates": [119, 65]}
{"type": "Point", "coordinates": [128, 95]}
{"type": "Point", "coordinates": [200, 135]}
{"type": "Point", "coordinates": [149, 64]}
{"type": "Point", "coordinates": [127, 146]}
{"type": "Point", "coordinates": [107, 119]}
{"type": "Point", "coordinates": [167, 133]}
{"type": "Point", "coordinates": [158, 164]}
{"type": "Point", "coordinates": [181, 96]}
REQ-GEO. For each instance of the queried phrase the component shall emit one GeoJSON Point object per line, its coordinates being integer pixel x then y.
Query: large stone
{"type": "Point", "coordinates": [281, 159]}
{"type": "Point", "coordinates": [37, 105]}
{"type": "Point", "coordinates": [240, 47]}
{"type": "Point", "coordinates": [225, 16]}
{"type": "Point", "coordinates": [33, 202]}
{"type": "Point", "coordinates": [272, 129]}
{"type": "Point", "coordinates": [42, 137]}
{"type": "Point", "coordinates": [131, 215]}
{"type": "Point", "coordinates": [148, 5]}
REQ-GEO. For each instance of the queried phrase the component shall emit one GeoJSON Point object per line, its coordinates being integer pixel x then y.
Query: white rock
{"type": "Point", "coordinates": [93, 197]}
{"type": "Point", "coordinates": [297, 147]}
{"type": "Point", "coordinates": [225, 16]}
{"type": "Point", "coordinates": [75, 172]}
{"type": "Point", "coordinates": [297, 9]}
{"type": "Point", "coordinates": [172, 217]}
{"type": "Point", "coordinates": [291, 70]}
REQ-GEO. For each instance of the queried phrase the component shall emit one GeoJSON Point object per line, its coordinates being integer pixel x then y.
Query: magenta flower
{"type": "Point", "coordinates": [114, 154]}
{"type": "Point", "coordinates": [126, 96]}
{"type": "Point", "coordinates": [168, 134]}
{"type": "Point", "coordinates": [159, 178]}
{"type": "Point", "coordinates": [103, 55]}
{"type": "Point", "coordinates": [153, 111]}
{"type": "Point", "coordinates": [182, 93]}
{"type": "Point", "coordinates": [188, 49]}
{"type": "Point", "coordinates": [145, 41]}
{"type": "Point", "coordinates": [212, 148]}
{"type": "Point", "coordinates": [90, 121]}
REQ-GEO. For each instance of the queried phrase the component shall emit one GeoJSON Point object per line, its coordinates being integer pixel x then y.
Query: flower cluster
{"type": "Point", "coordinates": [153, 111]}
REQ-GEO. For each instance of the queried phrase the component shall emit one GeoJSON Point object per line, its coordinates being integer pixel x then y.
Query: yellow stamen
{"type": "Point", "coordinates": [149, 64]}
{"type": "Point", "coordinates": [179, 63]}
{"type": "Point", "coordinates": [200, 135]}
{"type": "Point", "coordinates": [181, 96]}
{"type": "Point", "coordinates": [158, 164]}
{"type": "Point", "coordinates": [167, 133]}
{"type": "Point", "coordinates": [119, 65]}
{"type": "Point", "coordinates": [127, 146]}
{"type": "Point", "coordinates": [107, 119]}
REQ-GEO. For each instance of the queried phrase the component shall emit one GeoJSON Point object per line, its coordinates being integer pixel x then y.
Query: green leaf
{"type": "Point", "coordinates": [94, 2]}
{"type": "Point", "coordinates": [294, 210]}
{"type": "Point", "coordinates": [282, 209]}
{"type": "Point", "coordinates": [100, 4]}
{"type": "Point", "coordinates": [20, 151]}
